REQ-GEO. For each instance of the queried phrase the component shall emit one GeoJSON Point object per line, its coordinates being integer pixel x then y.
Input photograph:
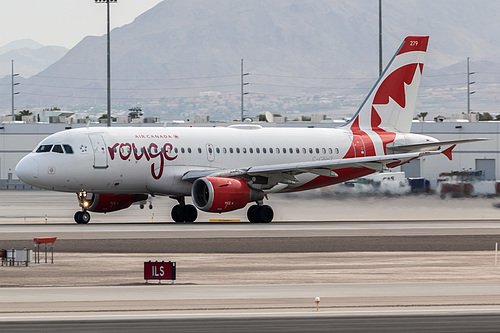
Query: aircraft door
{"type": "Point", "coordinates": [210, 152]}
{"type": "Point", "coordinates": [99, 149]}
{"type": "Point", "coordinates": [359, 146]}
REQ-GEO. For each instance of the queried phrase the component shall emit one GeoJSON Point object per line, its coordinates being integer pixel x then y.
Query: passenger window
{"type": "Point", "coordinates": [238, 150]}
{"type": "Point", "coordinates": [68, 149]}
{"type": "Point", "coordinates": [290, 150]}
{"type": "Point", "coordinates": [277, 150]}
{"type": "Point", "coordinates": [57, 149]}
{"type": "Point", "coordinates": [224, 150]}
{"type": "Point", "coordinates": [231, 150]}
{"type": "Point", "coordinates": [263, 150]}
{"type": "Point", "coordinates": [244, 150]}
{"type": "Point", "coordinates": [330, 151]}
{"type": "Point", "coordinates": [199, 150]}
{"type": "Point", "coordinates": [297, 150]}
{"type": "Point", "coordinates": [189, 150]}
{"type": "Point", "coordinates": [270, 150]}
{"type": "Point", "coordinates": [217, 150]}
{"type": "Point", "coordinates": [182, 150]}
{"type": "Point", "coordinates": [317, 150]}
{"type": "Point", "coordinates": [323, 150]}
{"type": "Point", "coordinates": [251, 150]}
{"type": "Point", "coordinates": [310, 150]}
{"type": "Point", "coordinates": [257, 150]}
{"type": "Point", "coordinates": [304, 151]}
{"type": "Point", "coordinates": [44, 149]}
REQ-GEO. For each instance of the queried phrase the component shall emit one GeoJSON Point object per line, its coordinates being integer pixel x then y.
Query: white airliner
{"type": "Point", "coordinates": [225, 168]}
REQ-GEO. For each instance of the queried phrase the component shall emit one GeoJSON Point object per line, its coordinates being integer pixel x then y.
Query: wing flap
{"type": "Point", "coordinates": [430, 145]}
{"type": "Point", "coordinates": [287, 171]}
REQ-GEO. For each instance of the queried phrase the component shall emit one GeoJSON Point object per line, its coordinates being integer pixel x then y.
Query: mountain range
{"type": "Point", "coordinates": [293, 49]}
{"type": "Point", "coordinates": [29, 57]}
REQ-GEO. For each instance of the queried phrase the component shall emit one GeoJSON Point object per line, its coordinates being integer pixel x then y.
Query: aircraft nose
{"type": "Point", "coordinates": [27, 170]}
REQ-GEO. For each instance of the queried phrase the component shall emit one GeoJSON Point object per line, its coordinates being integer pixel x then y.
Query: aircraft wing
{"type": "Point", "coordinates": [285, 172]}
{"type": "Point", "coordinates": [429, 145]}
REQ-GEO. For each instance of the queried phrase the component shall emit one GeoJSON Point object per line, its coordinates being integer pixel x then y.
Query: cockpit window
{"type": "Point", "coordinates": [57, 149]}
{"type": "Point", "coordinates": [44, 148]}
{"type": "Point", "coordinates": [68, 149]}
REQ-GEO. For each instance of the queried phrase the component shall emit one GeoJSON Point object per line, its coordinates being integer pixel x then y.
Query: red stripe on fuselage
{"type": "Point", "coordinates": [344, 175]}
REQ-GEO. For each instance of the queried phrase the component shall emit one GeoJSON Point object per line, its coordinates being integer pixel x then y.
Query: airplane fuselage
{"type": "Point", "coordinates": [154, 159]}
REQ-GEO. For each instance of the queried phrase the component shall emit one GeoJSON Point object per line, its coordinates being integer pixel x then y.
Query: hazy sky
{"type": "Point", "coordinates": [63, 22]}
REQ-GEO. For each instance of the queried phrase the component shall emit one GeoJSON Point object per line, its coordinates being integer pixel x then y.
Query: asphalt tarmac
{"type": "Point", "coordinates": [402, 263]}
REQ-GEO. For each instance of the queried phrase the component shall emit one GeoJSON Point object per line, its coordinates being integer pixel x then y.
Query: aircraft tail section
{"type": "Point", "coordinates": [389, 107]}
{"type": "Point", "coordinates": [391, 102]}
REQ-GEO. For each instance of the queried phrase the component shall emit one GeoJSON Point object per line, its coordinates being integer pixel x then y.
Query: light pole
{"type": "Point", "coordinates": [243, 93]}
{"type": "Point", "coordinates": [469, 83]}
{"type": "Point", "coordinates": [380, 38]}
{"type": "Point", "coordinates": [109, 63]}
{"type": "Point", "coordinates": [13, 92]}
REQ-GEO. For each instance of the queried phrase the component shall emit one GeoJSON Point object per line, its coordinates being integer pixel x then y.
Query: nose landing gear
{"type": "Point", "coordinates": [82, 217]}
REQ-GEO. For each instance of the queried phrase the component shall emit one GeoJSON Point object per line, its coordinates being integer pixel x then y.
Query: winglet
{"type": "Point", "coordinates": [447, 152]}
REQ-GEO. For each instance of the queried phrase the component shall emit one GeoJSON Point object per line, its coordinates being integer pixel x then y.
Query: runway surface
{"type": "Point", "coordinates": [375, 322]}
{"type": "Point", "coordinates": [282, 237]}
{"type": "Point", "coordinates": [403, 263]}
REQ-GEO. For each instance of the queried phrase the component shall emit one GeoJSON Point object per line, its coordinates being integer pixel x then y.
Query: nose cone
{"type": "Point", "coordinates": [27, 170]}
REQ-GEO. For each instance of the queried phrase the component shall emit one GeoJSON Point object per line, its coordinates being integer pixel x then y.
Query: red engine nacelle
{"type": "Point", "coordinates": [219, 194]}
{"type": "Point", "coordinates": [105, 202]}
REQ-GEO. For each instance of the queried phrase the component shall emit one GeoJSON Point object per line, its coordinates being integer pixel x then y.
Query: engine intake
{"type": "Point", "coordinates": [220, 194]}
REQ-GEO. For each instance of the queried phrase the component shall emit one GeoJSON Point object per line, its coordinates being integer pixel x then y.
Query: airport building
{"type": "Point", "coordinates": [18, 139]}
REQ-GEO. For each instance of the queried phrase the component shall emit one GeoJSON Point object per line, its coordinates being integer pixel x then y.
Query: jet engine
{"type": "Point", "coordinates": [220, 194]}
{"type": "Point", "coordinates": [105, 202]}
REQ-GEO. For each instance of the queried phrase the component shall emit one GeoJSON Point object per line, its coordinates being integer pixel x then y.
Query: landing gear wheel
{"type": "Point", "coordinates": [190, 213]}
{"type": "Point", "coordinates": [265, 214]}
{"type": "Point", "coordinates": [252, 214]}
{"type": "Point", "coordinates": [77, 217]}
{"type": "Point", "coordinates": [186, 213]}
{"type": "Point", "coordinates": [177, 214]}
{"type": "Point", "coordinates": [260, 214]}
{"type": "Point", "coordinates": [85, 217]}
{"type": "Point", "coordinates": [82, 217]}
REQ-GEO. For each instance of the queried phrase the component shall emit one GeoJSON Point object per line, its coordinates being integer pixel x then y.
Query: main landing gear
{"type": "Point", "coordinates": [183, 213]}
{"type": "Point", "coordinates": [260, 214]}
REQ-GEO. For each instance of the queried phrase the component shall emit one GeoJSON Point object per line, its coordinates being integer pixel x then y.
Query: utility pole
{"type": "Point", "coordinates": [242, 92]}
{"type": "Point", "coordinates": [469, 83]}
{"type": "Point", "coordinates": [379, 37]}
{"type": "Point", "coordinates": [109, 62]}
{"type": "Point", "coordinates": [13, 93]}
